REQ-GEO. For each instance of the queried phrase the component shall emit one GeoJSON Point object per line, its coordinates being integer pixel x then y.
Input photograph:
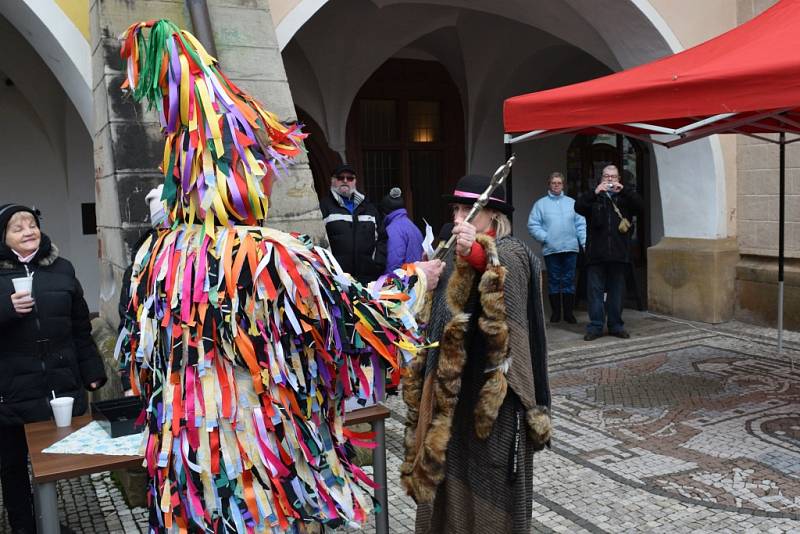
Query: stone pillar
{"type": "Point", "coordinates": [128, 145]}
{"type": "Point", "coordinates": [127, 142]}
{"type": "Point", "coordinates": [692, 278]}
{"type": "Point", "coordinates": [757, 221]}
{"type": "Point", "coordinates": [249, 56]}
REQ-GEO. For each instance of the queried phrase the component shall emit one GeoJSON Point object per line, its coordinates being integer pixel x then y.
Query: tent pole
{"type": "Point", "coordinates": [509, 184]}
{"type": "Point", "coordinates": [781, 220]}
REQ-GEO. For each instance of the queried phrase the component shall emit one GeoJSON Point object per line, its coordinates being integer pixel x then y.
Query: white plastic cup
{"type": "Point", "coordinates": [62, 410]}
{"type": "Point", "coordinates": [23, 284]}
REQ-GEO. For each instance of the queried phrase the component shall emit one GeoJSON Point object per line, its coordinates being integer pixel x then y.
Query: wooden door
{"type": "Point", "coordinates": [406, 129]}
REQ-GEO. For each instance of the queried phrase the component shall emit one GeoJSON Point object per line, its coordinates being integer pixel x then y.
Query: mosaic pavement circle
{"type": "Point", "coordinates": [715, 423]}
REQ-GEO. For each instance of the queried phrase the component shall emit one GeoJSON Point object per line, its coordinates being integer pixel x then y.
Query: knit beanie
{"type": "Point", "coordinates": [392, 201]}
{"type": "Point", "coordinates": [8, 210]}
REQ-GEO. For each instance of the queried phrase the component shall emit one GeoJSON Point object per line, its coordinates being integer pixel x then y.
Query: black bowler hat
{"type": "Point", "coordinates": [470, 187]}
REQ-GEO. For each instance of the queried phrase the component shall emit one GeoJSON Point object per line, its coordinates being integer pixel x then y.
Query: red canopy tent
{"type": "Point", "coordinates": [745, 81]}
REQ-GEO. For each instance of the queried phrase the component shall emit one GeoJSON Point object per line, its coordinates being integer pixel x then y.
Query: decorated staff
{"type": "Point", "coordinates": [245, 341]}
{"type": "Point", "coordinates": [498, 178]}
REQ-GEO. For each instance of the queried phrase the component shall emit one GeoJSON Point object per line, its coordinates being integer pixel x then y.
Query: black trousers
{"type": "Point", "coordinates": [14, 478]}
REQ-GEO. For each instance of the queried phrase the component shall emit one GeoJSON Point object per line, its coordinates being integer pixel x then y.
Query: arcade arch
{"type": "Point", "coordinates": [493, 50]}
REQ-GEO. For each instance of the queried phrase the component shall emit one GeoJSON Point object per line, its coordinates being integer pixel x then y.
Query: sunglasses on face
{"type": "Point", "coordinates": [346, 178]}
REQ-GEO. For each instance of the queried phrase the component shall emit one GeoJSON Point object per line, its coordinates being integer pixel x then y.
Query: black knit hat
{"type": "Point", "coordinates": [392, 201]}
{"type": "Point", "coordinates": [8, 210]}
{"type": "Point", "coordinates": [470, 187]}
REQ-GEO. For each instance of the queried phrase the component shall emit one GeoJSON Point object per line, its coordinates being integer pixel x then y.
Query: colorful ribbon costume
{"type": "Point", "coordinates": [245, 341]}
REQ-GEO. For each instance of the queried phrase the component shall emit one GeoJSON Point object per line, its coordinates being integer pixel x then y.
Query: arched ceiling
{"type": "Point", "coordinates": [61, 46]}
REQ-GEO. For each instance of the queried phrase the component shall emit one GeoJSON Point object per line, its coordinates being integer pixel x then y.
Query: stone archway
{"type": "Point", "coordinates": [493, 50]}
{"type": "Point", "coordinates": [60, 45]}
{"type": "Point", "coordinates": [325, 72]}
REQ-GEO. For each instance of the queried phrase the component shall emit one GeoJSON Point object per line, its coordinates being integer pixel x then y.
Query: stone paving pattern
{"type": "Point", "coordinates": [682, 428]}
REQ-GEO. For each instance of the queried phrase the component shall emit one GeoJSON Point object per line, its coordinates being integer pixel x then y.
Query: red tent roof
{"type": "Point", "coordinates": [752, 71]}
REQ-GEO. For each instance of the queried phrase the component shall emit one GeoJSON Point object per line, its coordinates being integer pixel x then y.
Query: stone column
{"type": "Point", "coordinates": [757, 208]}
{"type": "Point", "coordinates": [127, 141]}
{"type": "Point", "coordinates": [249, 56]}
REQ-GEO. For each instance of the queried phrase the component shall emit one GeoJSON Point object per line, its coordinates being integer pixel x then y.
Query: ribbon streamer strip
{"type": "Point", "coordinates": [222, 148]}
{"type": "Point", "coordinates": [245, 341]}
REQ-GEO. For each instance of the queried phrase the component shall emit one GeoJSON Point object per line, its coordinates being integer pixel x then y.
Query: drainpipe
{"type": "Point", "coordinates": [201, 22]}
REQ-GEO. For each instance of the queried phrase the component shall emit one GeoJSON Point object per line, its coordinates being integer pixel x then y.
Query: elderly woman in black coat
{"type": "Point", "coordinates": [46, 347]}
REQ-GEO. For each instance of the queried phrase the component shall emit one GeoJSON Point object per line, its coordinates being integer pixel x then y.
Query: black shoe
{"type": "Point", "coordinates": [569, 303]}
{"type": "Point", "coordinates": [621, 334]}
{"type": "Point", "coordinates": [591, 336]}
{"type": "Point", "coordinates": [555, 306]}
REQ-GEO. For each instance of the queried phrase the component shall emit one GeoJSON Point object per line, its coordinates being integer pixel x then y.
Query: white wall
{"type": "Point", "coordinates": [46, 154]}
{"type": "Point", "coordinates": [59, 44]}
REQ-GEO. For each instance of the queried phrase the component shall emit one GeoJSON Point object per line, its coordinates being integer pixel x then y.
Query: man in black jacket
{"type": "Point", "coordinates": [607, 250]}
{"type": "Point", "coordinates": [354, 228]}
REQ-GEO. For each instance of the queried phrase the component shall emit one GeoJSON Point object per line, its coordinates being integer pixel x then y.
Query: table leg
{"type": "Point", "coordinates": [46, 501]}
{"type": "Point", "coordinates": [379, 473]}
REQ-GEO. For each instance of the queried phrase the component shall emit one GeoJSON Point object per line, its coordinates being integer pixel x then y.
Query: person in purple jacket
{"type": "Point", "coordinates": [404, 243]}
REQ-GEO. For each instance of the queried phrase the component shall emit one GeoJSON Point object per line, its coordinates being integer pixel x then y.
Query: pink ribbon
{"type": "Point", "coordinates": [467, 194]}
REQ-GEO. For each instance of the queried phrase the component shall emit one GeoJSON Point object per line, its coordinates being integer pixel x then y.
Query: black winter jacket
{"type": "Point", "coordinates": [357, 240]}
{"type": "Point", "coordinates": [30, 368]}
{"type": "Point", "coordinates": [604, 242]}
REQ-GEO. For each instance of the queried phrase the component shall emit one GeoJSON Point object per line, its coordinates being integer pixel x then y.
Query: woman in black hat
{"type": "Point", "coordinates": [478, 406]}
{"type": "Point", "coordinates": [47, 348]}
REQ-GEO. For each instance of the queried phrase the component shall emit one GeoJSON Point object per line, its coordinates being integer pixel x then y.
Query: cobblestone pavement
{"type": "Point", "coordinates": [682, 428]}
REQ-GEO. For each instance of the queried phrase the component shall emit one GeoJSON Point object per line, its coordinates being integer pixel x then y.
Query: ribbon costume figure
{"type": "Point", "coordinates": [245, 341]}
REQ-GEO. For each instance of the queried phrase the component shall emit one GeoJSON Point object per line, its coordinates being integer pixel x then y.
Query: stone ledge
{"type": "Point", "coordinates": [757, 291]}
{"type": "Point", "coordinates": [765, 270]}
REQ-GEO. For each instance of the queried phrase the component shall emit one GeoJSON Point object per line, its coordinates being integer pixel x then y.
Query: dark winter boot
{"type": "Point", "coordinates": [569, 304]}
{"type": "Point", "coordinates": [555, 306]}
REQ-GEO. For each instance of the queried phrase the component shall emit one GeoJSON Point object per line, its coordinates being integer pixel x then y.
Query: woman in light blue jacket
{"type": "Point", "coordinates": [554, 223]}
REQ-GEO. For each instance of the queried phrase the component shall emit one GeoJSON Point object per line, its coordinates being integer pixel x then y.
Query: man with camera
{"type": "Point", "coordinates": [609, 211]}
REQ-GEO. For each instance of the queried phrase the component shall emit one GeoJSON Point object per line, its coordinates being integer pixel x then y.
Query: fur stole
{"type": "Point", "coordinates": [424, 464]}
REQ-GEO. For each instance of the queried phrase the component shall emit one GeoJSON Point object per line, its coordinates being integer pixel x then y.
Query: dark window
{"type": "Point", "coordinates": [406, 129]}
{"type": "Point", "coordinates": [381, 172]}
{"type": "Point", "coordinates": [88, 219]}
{"type": "Point", "coordinates": [424, 122]}
{"type": "Point", "coordinates": [426, 168]}
{"type": "Point", "coordinates": [378, 122]}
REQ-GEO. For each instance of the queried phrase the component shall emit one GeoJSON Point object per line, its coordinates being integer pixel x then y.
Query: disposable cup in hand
{"type": "Point", "coordinates": [62, 410]}
{"type": "Point", "coordinates": [23, 284]}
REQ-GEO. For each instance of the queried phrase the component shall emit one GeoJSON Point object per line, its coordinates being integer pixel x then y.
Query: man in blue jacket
{"type": "Point", "coordinates": [554, 223]}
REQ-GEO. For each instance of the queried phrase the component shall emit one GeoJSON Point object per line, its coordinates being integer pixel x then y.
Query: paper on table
{"type": "Point", "coordinates": [92, 439]}
{"type": "Point", "coordinates": [427, 243]}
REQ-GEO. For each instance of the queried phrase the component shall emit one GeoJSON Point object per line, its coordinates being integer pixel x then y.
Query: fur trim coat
{"type": "Point", "coordinates": [479, 406]}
